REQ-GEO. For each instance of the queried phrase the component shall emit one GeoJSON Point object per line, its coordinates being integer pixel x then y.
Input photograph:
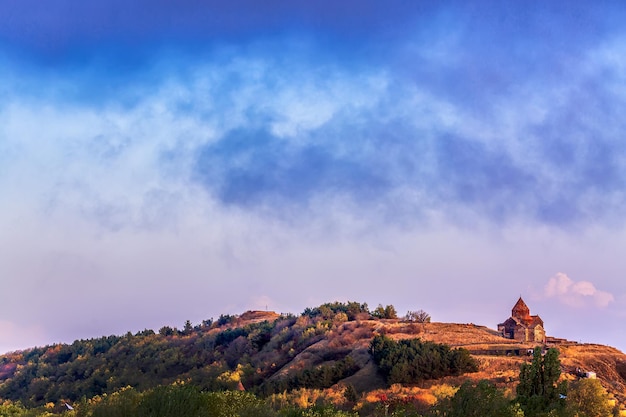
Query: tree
{"type": "Point", "coordinates": [350, 394]}
{"type": "Point", "coordinates": [481, 400]}
{"type": "Point", "coordinates": [588, 398]}
{"type": "Point", "coordinates": [414, 360]}
{"type": "Point", "coordinates": [166, 331]}
{"type": "Point", "coordinates": [419, 316]}
{"type": "Point", "coordinates": [188, 328]}
{"type": "Point", "coordinates": [379, 312]}
{"type": "Point", "coordinates": [537, 391]}
{"type": "Point", "coordinates": [388, 312]}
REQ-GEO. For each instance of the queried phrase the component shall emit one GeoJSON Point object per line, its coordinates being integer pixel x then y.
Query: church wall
{"type": "Point", "coordinates": [523, 327]}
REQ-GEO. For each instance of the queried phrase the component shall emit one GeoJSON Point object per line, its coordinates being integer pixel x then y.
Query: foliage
{"type": "Point", "coordinates": [317, 411]}
{"type": "Point", "coordinates": [225, 319]}
{"type": "Point", "coordinates": [388, 312]}
{"type": "Point", "coordinates": [588, 398]}
{"type": "Point", "coordinates": [140, 374]}
{"type": "Point", "coordinates": [480, 400]}
{"type": "Point", "coordinates": [328, 311]}
{"type": "Point", "coordinates": [93, 367]}
{"type": "Point", "coordinates": [199, 354]}
{"type": "Point", "coordinates": [166, 331]}
{"type": "Point", "coordinates": [320, 377]}
{"type": "Point", "coordinates": [9, 409]}
{"type": "Point", "coordinates": [412, 361]}
{"type": "Point", "coordinates": [173, 401]}
{"type": "Point", "coordinates": [350, 393]}
{"type": "Point", "coordinates": [538, 392]}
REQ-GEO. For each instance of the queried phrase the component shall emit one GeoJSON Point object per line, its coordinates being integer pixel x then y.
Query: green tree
{"type": "Point", "coordinates": [350, 394]}
{"type": "Point", "coordinates": [379, 312]}
{"type": "Point", "coordinates": [414, 360]}
{"type": "Point", "coordinates": [588, 398]}
{"type": "Point", "coordinates": [388, 312]}
{"type": "Point", "coordinates": [166, 331]}
{"type": "Point", "coordinates": [481, 400]}
{"type": "Point", "coordinates": [188, 328]}
{"type": "Point", "coordinates": [538, 392]}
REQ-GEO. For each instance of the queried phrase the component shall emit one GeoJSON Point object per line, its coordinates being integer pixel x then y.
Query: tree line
{"type": "Point", "coordinates": [201, 353]}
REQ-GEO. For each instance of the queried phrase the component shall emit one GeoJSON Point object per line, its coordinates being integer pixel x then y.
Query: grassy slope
{"type": "Point", "coordinates": [353, 337]}
{"type": "Point", "coordinates": [486, 345]}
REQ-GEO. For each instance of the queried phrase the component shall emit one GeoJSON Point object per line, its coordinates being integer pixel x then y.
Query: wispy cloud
{"type": "Point", "coordinates": [277, 136]}
{"type": "Point", "coordinates": [137, 150]}
{"type": "Point", "coordinates": [577, 294]}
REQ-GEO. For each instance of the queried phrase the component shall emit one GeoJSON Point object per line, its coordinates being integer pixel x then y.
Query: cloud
{"type": "Point", "coordinates": [420, 136]}
{"type": "Point", "coordinates": [172, 174]}
{"type": "Point", "coordinates": [576, 293]}
{"type": "Point", "coordinates": [298, 132]}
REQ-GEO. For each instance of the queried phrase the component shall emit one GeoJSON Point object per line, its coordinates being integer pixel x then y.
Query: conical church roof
{"type": "Point", "coordinates": [520, 309]}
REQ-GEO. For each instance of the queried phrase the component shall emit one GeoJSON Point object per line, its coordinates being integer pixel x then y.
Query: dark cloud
{"type": "Point", "coordinates": [385, 165]}
{"type": "Point", "coordinates": [489, 181]}
{"type": "Point", "coordinates": [358, 122]}
{"type": "Point", "coordinates": [72, 30]}
{"type": "Point", "coordinates": [251, 168]}
{"type": "Point", "coordinates": [472, 64]}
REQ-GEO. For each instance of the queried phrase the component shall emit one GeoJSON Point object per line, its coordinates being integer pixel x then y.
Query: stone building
{"type": "Point", "coordinates": [522, 326]}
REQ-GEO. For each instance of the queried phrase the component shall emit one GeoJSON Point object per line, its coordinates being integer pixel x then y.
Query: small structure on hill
{"type": "Point", "coordinates": [522, 326]}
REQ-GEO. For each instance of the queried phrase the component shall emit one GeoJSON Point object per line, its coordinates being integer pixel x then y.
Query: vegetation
{"type": "Point", "coordinates": [324, 376]}
{"type": "Point", "coordinates": [351, 309]}
{"type": "Point", "coordinates": [419, 316]}
{"type": "Point", "coordinates": [215, 355]}
{"type": "Point", "coordinates": [174, 401]}
{"type": "Point", "coordinates": [388, 312]}
{"type": "Point", "coordinates": [269, 365]}
{"type": "Point", "coordinates": [538, 391]}
{"type": "Point", "coordinates": [587, 397]}
{"type": "Point", "coordinates": [480, 400]}
{"type": "Point", "coordinates": [412, 361]}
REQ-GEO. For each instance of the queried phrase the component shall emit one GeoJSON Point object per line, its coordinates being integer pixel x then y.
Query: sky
{"type": "Point", "coordinates": [170, 161]}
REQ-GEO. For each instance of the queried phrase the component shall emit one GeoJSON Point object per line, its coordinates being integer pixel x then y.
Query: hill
{"type": "Point", "coordinates": [324, 348]}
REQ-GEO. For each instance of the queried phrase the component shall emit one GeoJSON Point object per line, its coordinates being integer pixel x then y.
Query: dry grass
{"type": "Point", "coordinates": [486, 345]}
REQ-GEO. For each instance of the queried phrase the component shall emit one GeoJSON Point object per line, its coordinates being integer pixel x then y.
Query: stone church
{"type": "Point", "coordinates": [521, 326]}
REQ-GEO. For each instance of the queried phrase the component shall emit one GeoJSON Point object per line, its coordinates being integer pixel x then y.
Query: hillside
{"type": "Point", "coordinates": [267, 353]}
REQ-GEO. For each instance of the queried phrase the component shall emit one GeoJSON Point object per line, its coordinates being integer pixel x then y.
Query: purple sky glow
{"type": "Point", "coordinates": [164, 161]}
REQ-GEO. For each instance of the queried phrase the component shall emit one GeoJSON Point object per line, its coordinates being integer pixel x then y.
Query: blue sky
{"type": "Point", "coordinates": [160, 163]}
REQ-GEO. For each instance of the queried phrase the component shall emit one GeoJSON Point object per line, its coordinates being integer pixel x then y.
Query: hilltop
{"type": "Point", "coordinates": [324, 348]}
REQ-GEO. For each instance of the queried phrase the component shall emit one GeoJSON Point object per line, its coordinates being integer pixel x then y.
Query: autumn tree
{"type": "Point", "coordinates": [588, 398]}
